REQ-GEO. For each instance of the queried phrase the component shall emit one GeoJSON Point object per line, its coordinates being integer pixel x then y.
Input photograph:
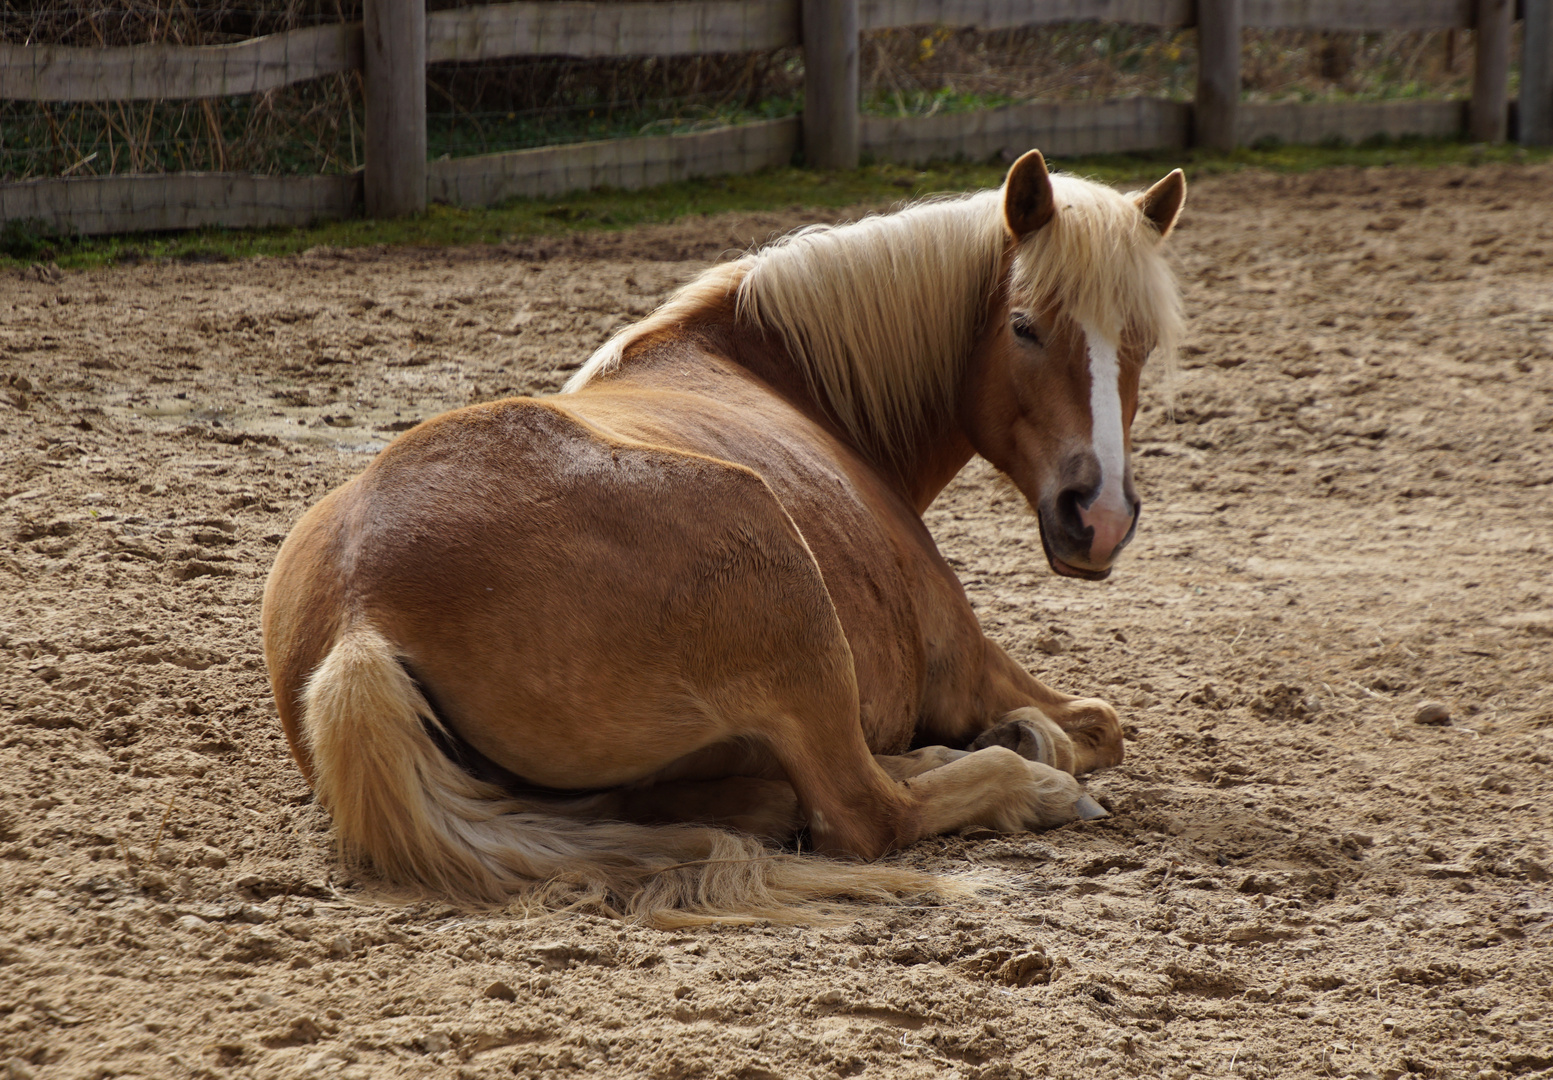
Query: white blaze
{"type": "Point", "coordinates": [1110, 516]}
{"type": "Point", "coordinates": [1105, 419]}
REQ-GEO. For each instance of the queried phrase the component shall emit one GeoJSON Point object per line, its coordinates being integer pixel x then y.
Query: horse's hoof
{"type": "Point", "coordinates": [1088, 810]}
{"type": "Point", "coordinates": [1022, 737]}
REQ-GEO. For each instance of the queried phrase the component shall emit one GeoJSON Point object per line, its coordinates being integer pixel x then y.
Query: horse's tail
{"type": "Point", "coordinates": [421, 820]}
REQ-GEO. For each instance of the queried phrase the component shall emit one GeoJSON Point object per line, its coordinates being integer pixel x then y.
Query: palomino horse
{"type": "Point", "coordinates": [582, 638]}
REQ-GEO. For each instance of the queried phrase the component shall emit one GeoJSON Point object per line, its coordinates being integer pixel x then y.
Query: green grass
{"type": "Point", "coordinates": [775, 189]}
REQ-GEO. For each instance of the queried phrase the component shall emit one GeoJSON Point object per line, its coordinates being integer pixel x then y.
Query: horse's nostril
{"type": "Point", "coordinates": [1069, 503]}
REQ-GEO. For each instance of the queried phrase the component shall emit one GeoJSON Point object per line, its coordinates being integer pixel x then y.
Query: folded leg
{"type": "Point", "coordinates": [997, 789]}
{"type": "Point", "coordinates": [905, 766]}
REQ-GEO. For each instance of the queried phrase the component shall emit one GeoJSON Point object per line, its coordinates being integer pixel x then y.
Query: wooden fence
{"type": "Point", "coordinates": [398, 39]}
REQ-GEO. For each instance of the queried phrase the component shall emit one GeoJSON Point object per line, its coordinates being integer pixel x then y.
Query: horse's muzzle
{"type": "Point", "coordinates": [1069, 536]}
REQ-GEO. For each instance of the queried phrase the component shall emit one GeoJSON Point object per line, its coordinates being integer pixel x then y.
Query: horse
{"type": "Point", "coordinates": [624, 638]}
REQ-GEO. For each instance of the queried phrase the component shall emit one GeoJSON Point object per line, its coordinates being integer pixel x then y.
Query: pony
{"type": "Point", "coordinates": [619, 640]}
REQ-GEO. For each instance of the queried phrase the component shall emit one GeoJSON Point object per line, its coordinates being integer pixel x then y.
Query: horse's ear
{"type": "Point", "coordinates": [1162, 203]}
{"type": "Point", "coordinates": [1027, 195]}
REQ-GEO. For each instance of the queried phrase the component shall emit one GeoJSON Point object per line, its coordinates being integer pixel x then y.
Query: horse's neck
{"type": "Point", "coordinates": [934, 459]}
{"type": "Point", "coordinates": [937, 460]}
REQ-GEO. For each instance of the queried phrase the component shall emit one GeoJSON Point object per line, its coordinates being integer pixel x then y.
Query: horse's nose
{"type": "Point", "coordinates": [1095, 528]}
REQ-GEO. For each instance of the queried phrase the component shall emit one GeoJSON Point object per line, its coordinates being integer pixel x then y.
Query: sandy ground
{"type": "Point", "coordinates": [1348, 513]}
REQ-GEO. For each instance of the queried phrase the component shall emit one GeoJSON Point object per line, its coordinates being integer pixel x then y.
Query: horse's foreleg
{"type": "Point", "coordinates": [925, 759]}
{"type": "Point", "coordinates": [998, 789]}
{"type": "Point", "coordinates": [1031, 734]}
{"type": "Point", "coordinates": [1096, 733]}
{"type": "Point", "coordinates": [1080, 734]}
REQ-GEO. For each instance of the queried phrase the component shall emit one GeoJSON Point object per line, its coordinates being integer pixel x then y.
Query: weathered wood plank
{"type": "Point", "coordinates": [164, 72]}
{"type": "Point", "coordinates": [567, 28]}
{"type": "Point", "coordinates": [1354, 121]}
{"type": "Point", "coordinates": [1214, 122]}
{"type": "Point", "coordinates": [1355, 15]}
{"type": "Point", "coordinates": [1488, 119]}
{"type": "Point", "coordinates": [1536, 121]}
{"type": "Point", "coordinates": [94, 205]}
{"type": "Point", "coordinates": [394, 104]}
{"type": "Point", "coordinates": [830, 84]}
{"type": "Point", "coordinates": [1073, 128]}
{"type": "Point", "coordinates": [621, 163]}
{"type": "Point", "coordinates": [1010, 14]}
{"type": "Point", "coordinates": [1063, 128]}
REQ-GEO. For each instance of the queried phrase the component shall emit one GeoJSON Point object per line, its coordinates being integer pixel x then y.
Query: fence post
{"type": "Point", "coordinates": [1489, 115]}
{"type": "Point", "coordinates": [831, 126]}
{"type": "Point", "coordinates": [394, 88]}
{"type": "Point", "coordinates": [1216, 115]}
{"type": "Point", "coordinates": [1536, 112]}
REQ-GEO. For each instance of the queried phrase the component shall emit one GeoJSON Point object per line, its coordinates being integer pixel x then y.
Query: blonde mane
{"type": "Point", "coordinates": [881, 314]}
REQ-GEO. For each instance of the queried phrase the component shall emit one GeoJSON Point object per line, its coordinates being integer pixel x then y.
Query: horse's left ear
{"type": "Point", "coordinates": [1162, 203]}
{"type": "Point", "coordinates": [1027, 195]}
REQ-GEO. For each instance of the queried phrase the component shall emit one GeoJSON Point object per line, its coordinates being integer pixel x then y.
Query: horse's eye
{"type": "Point", "coordinates": [1024, 328]}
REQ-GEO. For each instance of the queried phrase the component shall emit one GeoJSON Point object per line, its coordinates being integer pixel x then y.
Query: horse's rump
{"type": "Point", "coordinates": [581, 610]}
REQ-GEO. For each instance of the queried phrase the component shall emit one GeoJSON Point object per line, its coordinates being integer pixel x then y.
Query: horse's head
{"type": "Point", "coordinates": [1052, 387]}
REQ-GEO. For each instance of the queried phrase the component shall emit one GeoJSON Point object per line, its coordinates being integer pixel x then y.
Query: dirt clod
{"type": "Point", "coordinates": [501, 991]}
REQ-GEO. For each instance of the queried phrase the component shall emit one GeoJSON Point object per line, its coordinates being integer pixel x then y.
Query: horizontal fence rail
{"type": "Point", "coordinates": [1358, 15]}
{"type": "Point", "coordinates": [1351, 121]}
{"type": "Point", "coordinates": [161, 202]}
{"type": "Point", "coordinates": [165, 72]}
{"type": "Point", "coordinates": [1082, 128]}
{"type": "Point", "coordinates": [681, 28]}
{"type": "Point", "coordinates": [1014, 14]}
{"type": "Point", "coordinates": [622, 163]}
{"type": "Point", "coordinates": [567, 28]}
{"type": "Point", "coordinates": [1062, 128]}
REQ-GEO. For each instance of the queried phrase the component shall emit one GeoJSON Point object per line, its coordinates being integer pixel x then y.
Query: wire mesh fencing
{"type": "Point", "coordinates": [922, 70]}
{"type": "Point", "coordinates": [304, 128]}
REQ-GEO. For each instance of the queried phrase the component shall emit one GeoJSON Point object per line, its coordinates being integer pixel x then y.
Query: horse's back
{"type": "Point", "coordinates": [536, 573]}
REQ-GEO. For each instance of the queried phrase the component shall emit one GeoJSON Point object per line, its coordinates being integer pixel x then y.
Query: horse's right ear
{"type": "Point", "coordinates": [1027, 196]}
